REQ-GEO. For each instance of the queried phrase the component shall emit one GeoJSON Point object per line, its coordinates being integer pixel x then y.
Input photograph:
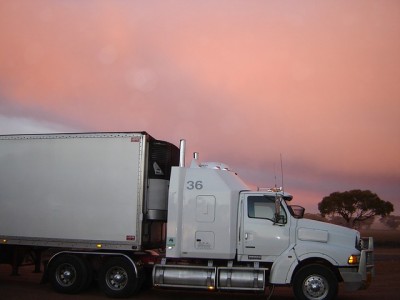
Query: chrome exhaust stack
{"type": "Point", "coordinates": [196, 155]}
{"type": "Point", "coordinates": [182, 150]}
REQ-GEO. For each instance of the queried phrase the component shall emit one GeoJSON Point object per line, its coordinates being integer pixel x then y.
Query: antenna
{"type": "Point", "coordinates": [282, 171]}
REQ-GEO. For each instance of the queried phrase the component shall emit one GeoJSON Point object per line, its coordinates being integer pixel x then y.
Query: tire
{"type": "Point", "coordinates": [117, 278]}
{"type": "Point", "coordinates": [68, 274]}
{"type": "Point", "coordinates": [315, 282]}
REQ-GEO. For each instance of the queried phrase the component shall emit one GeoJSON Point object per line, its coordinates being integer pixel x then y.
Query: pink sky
{"type": "Point", "coordinates": [242, 81]}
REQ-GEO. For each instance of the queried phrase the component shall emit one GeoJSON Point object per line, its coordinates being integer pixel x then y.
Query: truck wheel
{"type": "Point", "coordinates": [68, 274]}
{"type": "Point", "coordinates": [117, 278]}
{"type": "Point", "coordinates": [315, 282]}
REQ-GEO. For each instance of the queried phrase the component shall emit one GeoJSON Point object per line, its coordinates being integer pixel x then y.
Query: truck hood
{"type": "Point", "coordinates": [316, 231]}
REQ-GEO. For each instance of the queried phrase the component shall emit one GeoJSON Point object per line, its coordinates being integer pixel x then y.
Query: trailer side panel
{"type": "Point", "coordinates": [44, 179]}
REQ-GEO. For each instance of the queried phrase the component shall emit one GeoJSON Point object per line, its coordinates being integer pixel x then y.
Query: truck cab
{"type": "Point", "coordinates": [256, 236]}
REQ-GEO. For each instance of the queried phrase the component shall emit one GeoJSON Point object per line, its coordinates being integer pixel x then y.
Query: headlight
{"type": "Point", "coordinates": [353, 259]}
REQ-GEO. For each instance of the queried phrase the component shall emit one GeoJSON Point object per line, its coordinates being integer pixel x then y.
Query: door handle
{"type": "Point", "coordinates": [246, 236]}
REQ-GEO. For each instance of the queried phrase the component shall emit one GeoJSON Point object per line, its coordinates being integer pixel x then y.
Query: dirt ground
{"type": "Point", "coordinates": [26, 286]}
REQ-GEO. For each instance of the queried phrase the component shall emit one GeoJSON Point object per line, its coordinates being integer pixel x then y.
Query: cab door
{"type": "Point", "coordinates": [262, 236]}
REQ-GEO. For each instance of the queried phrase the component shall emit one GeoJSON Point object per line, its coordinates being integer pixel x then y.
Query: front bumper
{"type": "Point", "coordinates": [360, 278]}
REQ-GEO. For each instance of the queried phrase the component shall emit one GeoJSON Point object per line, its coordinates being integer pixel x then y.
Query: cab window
{"type": "Point", "coordinates": [263, 207]}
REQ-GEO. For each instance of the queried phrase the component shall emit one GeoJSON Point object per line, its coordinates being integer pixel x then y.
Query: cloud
{"type": "Point", "coordinates": [243, 82]}
{"type": "Point", "coordinates": [24, 125]}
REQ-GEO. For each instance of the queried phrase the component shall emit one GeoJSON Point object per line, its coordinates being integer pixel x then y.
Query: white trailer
{"type": "Point", "coordinates": [100, 203]}
{"type": "Point", "coordinates": [85, 190]}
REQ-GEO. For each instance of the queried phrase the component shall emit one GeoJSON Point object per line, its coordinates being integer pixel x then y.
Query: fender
{"type": "Point", "coordinates": [318, 255]}
{"type": "Point", "coordinates": [283, 266]}
{"type": "Point", "coordinates": [330, 253]}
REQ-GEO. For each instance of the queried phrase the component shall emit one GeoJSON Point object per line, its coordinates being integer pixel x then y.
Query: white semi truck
{"type": "Point", "coordinates": [122, 208]}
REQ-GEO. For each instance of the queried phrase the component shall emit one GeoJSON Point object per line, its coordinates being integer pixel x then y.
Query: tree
{"type": "Point", "coordinates": [354, 206]}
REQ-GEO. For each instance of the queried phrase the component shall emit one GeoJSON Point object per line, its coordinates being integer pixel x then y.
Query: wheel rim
{"type": "Point", "coordinates": [65, 275]}
{"type": "Point", "coordinates": [315, 287]}
{"type": "Point", "coordinates": [116, 278]}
